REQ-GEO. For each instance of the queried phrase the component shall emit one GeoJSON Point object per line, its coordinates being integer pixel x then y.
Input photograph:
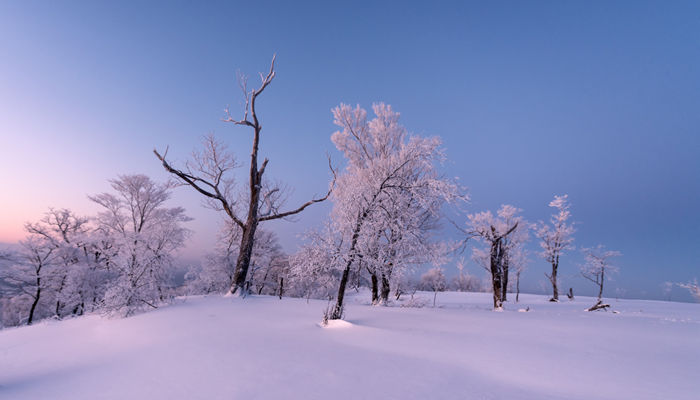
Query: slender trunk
{"type": "Point", "coordinates": [375, 289]}
{"type": "Point", "coordinates": [555, 289]}
{"type": "Point", "coordinates": [434, 297]}
{"type": "Point", "coordinates": [602, 279]}
{"type": "Point", "coordinates": [504, 292]}
{"type": "Point", "coordinates": [281, 291]}
{"type": "Point", "coordinates": [58, 302]}
{"type": "Point", "coordinates": [517, 287]}
{"type": "Point", "coordinates": [36, 301]}
{"type": "Point", "coordinates": [386, 289]}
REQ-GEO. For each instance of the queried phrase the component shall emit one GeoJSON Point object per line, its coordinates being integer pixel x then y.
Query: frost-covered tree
{"type": "Point", "coordinates": [464, 281]}
{"type": "Point", "coordinates": [315, 268]}
{"type": "Point", "coordinates": [693, 288]}
{"type": "Point", "coordinates": [67, 233]}
{"type": "Point", "coordinates": [387, 171]}
{"type": "Point", "coordinates": [518, 260]}
{"type": "Point", "coordinates": [208, 174]}
{"type": "Point", "coordinates": [28, 279]}
{"type": "Point", "coordinates": [556, 238]}
{"type": "Point", "coordinates": [596, 266]}
{"type": "Point", "coordinates": [141, 235]}
{"type": "Point", "coordinates": [502, 235]}
{"type": "Point", "coordinates": [434, 280]}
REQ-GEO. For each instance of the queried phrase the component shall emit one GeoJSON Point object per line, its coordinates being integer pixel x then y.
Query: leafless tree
{"type": "Point", "coordinates": [263, 201]}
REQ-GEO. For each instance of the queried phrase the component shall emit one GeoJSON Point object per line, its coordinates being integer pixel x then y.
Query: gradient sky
{"type": "Point", "coordinates": [600, 100]}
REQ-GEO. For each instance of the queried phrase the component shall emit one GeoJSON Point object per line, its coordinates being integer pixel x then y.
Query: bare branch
{"type": "Point", "coordinates": [308, 203]}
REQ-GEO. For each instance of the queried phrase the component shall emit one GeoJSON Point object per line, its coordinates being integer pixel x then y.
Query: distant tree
{"type": "Point", "coordinates": [30, 276]}
{"type": "Point", "coordinates": [68, 234]}
{"type": "Point", "coordinates": [693, 288]}
{"type": "Point", "coordinates": [143, 235]}
{"type": "Point", "coordinates": [262, 201]}
{"type": "Point", "coordinates": [434, 280]}
{"type": "Point", "coordinates": [556, 238]}
{"type": "Point", "coordinates": [597, 265]}
{"type": "Point", "coordinates": [465, 282]}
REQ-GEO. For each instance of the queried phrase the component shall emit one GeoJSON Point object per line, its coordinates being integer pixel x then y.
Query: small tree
{"type": "Point", "coordinates": [597, 265]}
{"type": "Point", "coordinates": [434, 280]}
{"type": "Point", "coordinates": [556, 238]}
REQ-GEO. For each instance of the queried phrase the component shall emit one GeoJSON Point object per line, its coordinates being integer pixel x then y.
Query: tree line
{"type": "Point", "coordinates": [389, 202]}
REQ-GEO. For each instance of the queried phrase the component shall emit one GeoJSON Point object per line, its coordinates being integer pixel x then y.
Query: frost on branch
{"type": "Point", "coordinates": [596, 267]}
{"type": "Point", "coordinates": [556, 238]}
{"type": "Point", "coordinates": [434, 280]}
{"type": "Point", "coordinates": [693, 288]}
{"type": "Point", "coordinates": [141, 235]}
{"type": "Point", "coordinates": [503, 237]}
{"type": "Point", "coordinates": [388, 200]}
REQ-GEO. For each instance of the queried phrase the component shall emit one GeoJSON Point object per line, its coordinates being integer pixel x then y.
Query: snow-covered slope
{"type": "Point", "coordinates": [265, 348]}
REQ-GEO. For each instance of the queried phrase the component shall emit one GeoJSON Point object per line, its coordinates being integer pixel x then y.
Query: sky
{"type": "Point", "coordinates": [598, 100]}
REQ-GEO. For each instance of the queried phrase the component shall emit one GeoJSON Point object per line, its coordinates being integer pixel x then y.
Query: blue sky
{"type": "Point", "coordinates": [598, 100]}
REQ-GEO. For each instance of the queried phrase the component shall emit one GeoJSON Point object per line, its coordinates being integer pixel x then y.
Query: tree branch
{"type": "Point", "coordinates": [308, 203]}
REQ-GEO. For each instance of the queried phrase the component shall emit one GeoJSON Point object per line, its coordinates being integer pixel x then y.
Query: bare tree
{"type": "Point", "coordinates": [597, 264]}
{"type": "Point", "coordinates": [209, 180]}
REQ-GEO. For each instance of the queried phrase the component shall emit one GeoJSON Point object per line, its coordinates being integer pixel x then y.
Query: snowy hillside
{"type": "Point", "coordinates": [265, 348]}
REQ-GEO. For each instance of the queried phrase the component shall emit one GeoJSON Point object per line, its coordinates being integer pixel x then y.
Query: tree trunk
{"type": "Point", "coordinates": [553, 278]}
{"type": "Point", "coordinates": [281, 291]}
{"type": "Point", "coordinates": [602, 279]}
{"type": "Point", "coordinates": [244, 255]}
{"type": "Point", "coordinates": [504, 270]}
{"type": "Point", "coordinates": [338, 309]}
{"type": "Point", "coordinates": [496, 274]}
{"type": "Point", "coordinates": [36, 301]}
{"type": "Point", "coordinates": [517, 287]}
{"type": "Point", "coordinates": [375, 289]}
{"type": "Point", "coordinates": [434, 297]}
{"type": "Point", "coordinates": [386, 289]}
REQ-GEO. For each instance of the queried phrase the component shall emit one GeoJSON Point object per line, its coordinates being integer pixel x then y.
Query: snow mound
{"type": "Point", "coordinates": [336, 324]}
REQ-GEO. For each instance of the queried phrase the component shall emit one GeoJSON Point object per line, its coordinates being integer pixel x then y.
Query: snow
{"type": "Point", "coordinates": [262, 348]}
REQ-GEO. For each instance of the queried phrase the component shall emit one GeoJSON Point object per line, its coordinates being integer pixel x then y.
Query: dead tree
{"type": "Point", "coordinates": [212, 185]}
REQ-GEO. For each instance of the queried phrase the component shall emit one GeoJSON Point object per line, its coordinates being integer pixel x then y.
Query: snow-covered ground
{"type": "Point", "coordinates": [265, 348]}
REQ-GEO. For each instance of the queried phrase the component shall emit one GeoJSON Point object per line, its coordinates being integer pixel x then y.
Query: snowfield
{"type": "Point", "coordinates": [265, 348]}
